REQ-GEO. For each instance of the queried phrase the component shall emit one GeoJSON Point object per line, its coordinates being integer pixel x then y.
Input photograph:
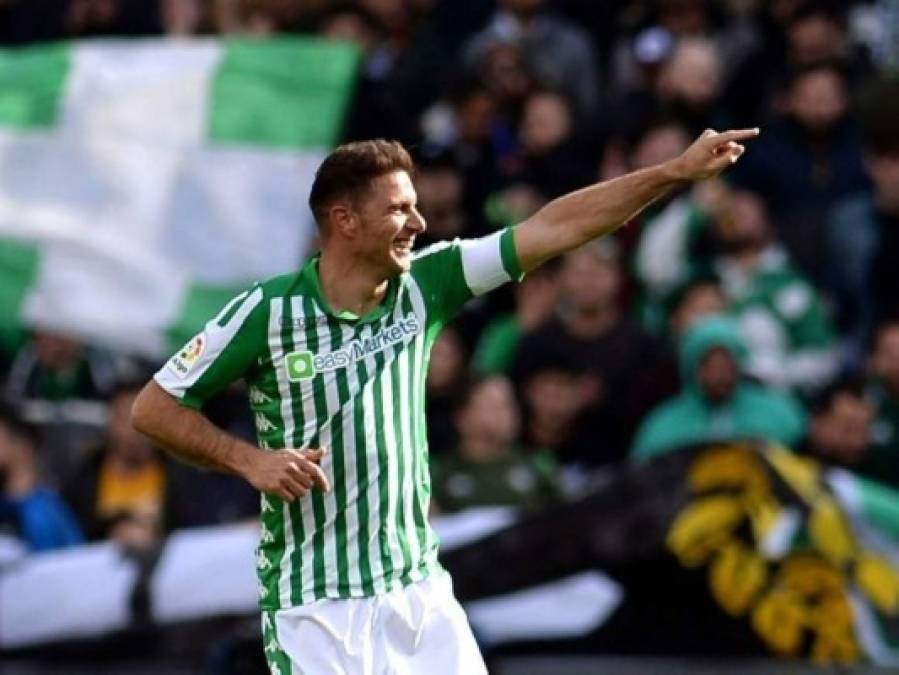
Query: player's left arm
{"type": "Point", "coordinates": [574, 219]}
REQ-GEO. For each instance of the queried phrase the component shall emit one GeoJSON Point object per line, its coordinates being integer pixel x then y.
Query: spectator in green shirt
{"type": "Point", "coordinates": [487, 469]}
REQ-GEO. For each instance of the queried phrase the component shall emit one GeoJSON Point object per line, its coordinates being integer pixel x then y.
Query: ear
{"type": "Point", "coordinates": [343, 220]}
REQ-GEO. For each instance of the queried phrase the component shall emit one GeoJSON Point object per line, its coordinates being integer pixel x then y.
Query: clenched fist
{"type": "Point", "coordinates": [288, 474]}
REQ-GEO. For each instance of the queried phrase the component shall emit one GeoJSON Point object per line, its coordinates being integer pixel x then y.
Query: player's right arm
{"type": "Point", "coordinates": [168, 408]}
{"type": "Point", "coordinates": [191, 437]}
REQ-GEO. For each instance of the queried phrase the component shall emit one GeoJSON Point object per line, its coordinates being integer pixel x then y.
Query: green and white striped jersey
{"type": "Point", "coordinates": [355, 386]}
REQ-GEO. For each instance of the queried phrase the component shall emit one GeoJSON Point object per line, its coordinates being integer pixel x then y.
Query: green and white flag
{"type": "Point", "coordinates": [142, 182]}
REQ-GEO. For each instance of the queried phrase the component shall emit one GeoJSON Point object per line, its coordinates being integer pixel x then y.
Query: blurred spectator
{"type": "Point", "coordinates": [863, 234]}
{"type": "Point", "coordinates": [187, 17]}
{"type": "Point", "coordinates": [882, 455]}
{"type": "Point", "coordinates": [840, 426]}
{"type": "Point", "coordinates": [486, 469]}
{"type": "Point", "coordinates": [551, 157]}
{"type": "Point", "coordinates": [264, 18]}
{"type": "Point", "coordinates": [690, 84]}
{"type": "Point", "coordinates": [806, 162]}
{"type": "Point", "coordinates": [557, 394]}
{"type": "Point", "coordinates": [376, 110]}
{"type": "Point", "coordinates": [439, 185]}
{"type": "Point", "coordinates": [535, 301]}
{"type": "Point", "coordinates": [698, 298]}
{"type": "Point", "coordinates": [793, 34]}
{"type": "Point", "coordinates": [87, 18]}
{"type": "Point", "coordinates": [818, 33]}
{"type": "Point", "coordinates": [52, 368]}
{"type": "Point", "coordinates": [559, 53]}
{"type": "Point", "coordinates": [610, 353]}
{"type": "Point", "coordinates": [28, 510]}
{"type": "Point", "coordinates": [123, 491]}
{"type": "Point", "coordinates": [716, 402]}
{"type": "Point", "coordinates": [446, 376]}
{"type": "Point", "coordinates": [781, 315]}
{"type": "Point", "coordinates": [503, 71]}
{"type": "Point", "coordinates": [463, 123]}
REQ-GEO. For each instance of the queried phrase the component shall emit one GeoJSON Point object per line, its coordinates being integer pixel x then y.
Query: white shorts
{"type": "Point", "coordinates": [419, 628]}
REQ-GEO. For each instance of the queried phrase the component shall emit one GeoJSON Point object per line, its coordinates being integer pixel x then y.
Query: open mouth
{"type": "Point", "coordinates": [403, 246]}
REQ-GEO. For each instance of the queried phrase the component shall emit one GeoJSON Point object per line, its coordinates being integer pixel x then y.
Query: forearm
{"type": "Point", "coordinates": [578, 217]}
{"type": "Point", "coordinates": [187, 434]}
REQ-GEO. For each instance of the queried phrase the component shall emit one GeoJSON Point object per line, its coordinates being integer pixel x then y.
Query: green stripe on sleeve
{"type": "Point", "coordinates": [509, 255]}
{"type": "Point", "coordinates": [31, 85]}
{"type": "Point", "coordinates": [284, 92]}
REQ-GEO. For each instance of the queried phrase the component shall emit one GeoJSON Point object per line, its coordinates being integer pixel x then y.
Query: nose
{"type": "Point", "coordinates": [417, 222]}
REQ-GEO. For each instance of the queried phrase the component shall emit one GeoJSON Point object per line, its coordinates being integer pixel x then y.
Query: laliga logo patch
{"type": "Point", "coordinates": [182, 362]}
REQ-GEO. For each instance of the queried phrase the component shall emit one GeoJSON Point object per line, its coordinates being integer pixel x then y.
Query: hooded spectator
{"type": "Point", "coordinates": [717, 402]}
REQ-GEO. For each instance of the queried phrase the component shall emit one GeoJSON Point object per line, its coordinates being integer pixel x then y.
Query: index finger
{"type": "Point", "coordinates": [736, 135]}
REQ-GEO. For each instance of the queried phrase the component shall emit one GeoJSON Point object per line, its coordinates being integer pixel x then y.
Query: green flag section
{"type": "Point", "coordinates": [18, 268]}
{"type": "Point", "coordinates": [149, 179]}
{"type": "Point", "coordinates": [31, 81]}
{"type": "Point", "coordinates": [302, 111]}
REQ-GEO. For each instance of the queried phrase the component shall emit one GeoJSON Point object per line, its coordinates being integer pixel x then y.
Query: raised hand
{"type": "Point", "coordinates": [712, 152]}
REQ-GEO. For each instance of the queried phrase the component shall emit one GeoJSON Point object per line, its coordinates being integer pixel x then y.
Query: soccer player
{"type": "Point", "coordinates": [335, 357]}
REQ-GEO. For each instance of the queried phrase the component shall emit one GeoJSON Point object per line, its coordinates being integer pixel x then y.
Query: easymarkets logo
{"type": "Point", "coordinates": [303, 365]}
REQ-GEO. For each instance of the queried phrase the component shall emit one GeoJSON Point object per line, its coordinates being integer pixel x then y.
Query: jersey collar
{"type": "Point", "coordinates": [309, 274]}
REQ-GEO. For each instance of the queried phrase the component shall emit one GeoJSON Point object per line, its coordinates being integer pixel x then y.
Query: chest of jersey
{"type": "Point", "coordinates": [323, 374]}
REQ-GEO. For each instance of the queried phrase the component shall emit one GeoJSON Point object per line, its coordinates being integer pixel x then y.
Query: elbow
{"type": "Point", "coordinates": [141, 410]}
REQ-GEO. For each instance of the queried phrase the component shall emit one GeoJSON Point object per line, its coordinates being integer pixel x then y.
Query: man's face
{"type": "Point", "coordinates": [743, 223]}
{"type": "Point", "coordinates": [818, 100]}
{"type": "Point", "coordinates": [555, 395]}
{"type": "Point", "coordinates": [390, 221]}
{"type": "Point", "coordinates": [492, 413]}
{"type": "Point", "coordinates": [589, 283]}
{"type": "Point", "coordinates": [718, 374]}
{"type": "Point", "coordinates": [842, 433]}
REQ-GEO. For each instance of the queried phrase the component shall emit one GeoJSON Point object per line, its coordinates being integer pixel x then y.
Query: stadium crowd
{"type": "Point", "coordinates": [762, 305]}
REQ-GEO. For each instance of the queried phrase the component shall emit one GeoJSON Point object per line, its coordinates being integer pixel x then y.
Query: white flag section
{"type": "Point", "coordinates": [153, 178]}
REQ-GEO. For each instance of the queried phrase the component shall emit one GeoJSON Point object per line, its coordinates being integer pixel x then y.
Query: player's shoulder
{"type": "Point", "coordinates": [279, 286]}
{"type": "Point", "coordinates": [435, 249]}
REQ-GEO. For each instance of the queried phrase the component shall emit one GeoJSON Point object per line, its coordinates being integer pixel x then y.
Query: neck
{"type": "Point", "coordinates": [349, 285]}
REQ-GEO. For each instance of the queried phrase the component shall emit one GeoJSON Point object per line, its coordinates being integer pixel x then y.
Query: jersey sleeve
{"type": "Point", "coordinates": [451, 273]}
{"type": "Point", "coordinates": [218, 355]}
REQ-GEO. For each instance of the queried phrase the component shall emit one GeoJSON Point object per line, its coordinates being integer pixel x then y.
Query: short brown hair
{"type": "Point", "coordinates": [350, 169]}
